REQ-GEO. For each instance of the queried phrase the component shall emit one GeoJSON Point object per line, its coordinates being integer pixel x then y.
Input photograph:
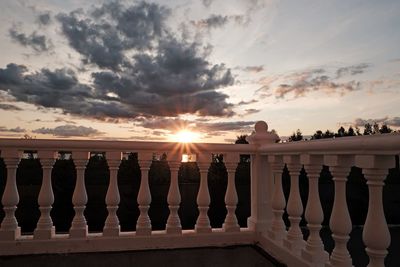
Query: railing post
{"type": "Point", "coordinates": [294, 238]}
{"type": "Point", "coordinates": [79, 227]}
{"type": "Point", "coordinates": [340, 223]}
{"type": "Point", "coordinates": [314, 251]}
{"type": "Point", "coordinates": [45, 228]}
{"type": "Point", "coordinates": [261, 180]}
{"type": "Point", "coordinates": [376, 235]}
{"type": "Point", "coordinates": [111, 226]}
{"type": "Point", "coordinates": [9, 229]}
{"type": "Point", "coordinates": [203, 196]}
{"type": "Point", "coordinates": [174, 196]}
{"type": "Point", "coordinates": [143, 225]}
{"type": "Point", "coordinates": [231, 198]}
{"type": "Point", "coordinates": [278, 228]}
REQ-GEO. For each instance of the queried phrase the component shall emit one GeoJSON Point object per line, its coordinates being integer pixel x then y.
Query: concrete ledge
{"type": "Point", "coordinates": [280, 253]}
{"type": "Point", "coordinates": [61, 243]}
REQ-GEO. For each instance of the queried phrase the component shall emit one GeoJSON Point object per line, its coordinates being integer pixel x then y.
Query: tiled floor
{"type": "Point", "coordinates": [236, 256]}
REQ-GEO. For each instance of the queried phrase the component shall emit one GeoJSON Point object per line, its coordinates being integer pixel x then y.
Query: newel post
{"type": "Point", "coordinates": [262, 180]}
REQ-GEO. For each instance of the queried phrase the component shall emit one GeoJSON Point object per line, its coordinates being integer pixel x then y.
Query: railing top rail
{"type": "Point", "coordinates": [124, 146]}
{"type": "Point", "coordinates": [380, 144]}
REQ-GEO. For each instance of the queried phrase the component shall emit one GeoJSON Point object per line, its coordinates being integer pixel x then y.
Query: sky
{"type": "Point", "coordinates": [146, 70]}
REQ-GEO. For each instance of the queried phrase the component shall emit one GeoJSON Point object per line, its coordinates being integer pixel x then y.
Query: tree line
{"type": "Point", "coordinates": [369, 129]}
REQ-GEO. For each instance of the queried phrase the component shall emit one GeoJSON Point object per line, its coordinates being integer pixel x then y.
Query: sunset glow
{"type": "Point", "coordinates": [186, 136]}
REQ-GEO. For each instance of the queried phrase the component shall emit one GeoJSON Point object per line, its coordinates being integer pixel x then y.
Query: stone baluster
{"type": "Point", "coordinates": [143, 225]}
{"type": "Point", "coordinates": [340, 222]}
{"type": "Point", "coordinates": [45, 228]}
{"type": "Point", "coordinates": [314, 251]}
{"type": "Point", "coordinates": [174, 197]}
{"type": "Point", "coordinates": [376, 235]}
{"type": "Point", "coordinates": [203, 196]}
{"type": "Point", "coordinates": [79, 227]}
{"type": "Point", "coordinates": [9, 229]}
{"type": "Point", "coordinates": [278, 228]}
{"type": "Point", "coordinates": [294, 238]}
{"type": "Point", "coordinates": [231, 198]}
{"type": "Point", "coordinates": [111, 226]}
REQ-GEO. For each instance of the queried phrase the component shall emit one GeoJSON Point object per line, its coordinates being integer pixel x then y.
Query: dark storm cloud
{"type": "Point", "coordinates": [36, 41]}
{"type": "Point", "coordinates": [352, 70]}
{"type": "Point", "coordinates": [145, 69]}
{"type": "Point", "coordinates": [69, 131]}
{"type": "Point", "coordinates": [105, 33]}
{"type": "Point", "coordinates": [12, 130]}
{"type": "Point", "coordinates": [9, 107]}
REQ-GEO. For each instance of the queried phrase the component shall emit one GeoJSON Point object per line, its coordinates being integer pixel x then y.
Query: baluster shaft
{"type": "Point", "coordinates": [143, 225]}
{"type": "Point", "coordinates": [340, 222]}
{"type": "Point", "coordinates": [314, 251]}
{"type": "Point", "coordinates": [278, 228]}
{"type": "Point", "coordinates": [9, 229]}
{"type": "Point", "coordinates": [45, 228]}
{"type": "Point", "coordinates": [203, 200]}
{"type": "Point", "coordinates": [174, 200]}
{"type": "Point", "coordinates": [231, 199]}
{"type": "Point", "coordinates": [79, 227]}
{"type": "Point", "coordinates": [111, 226]}
{"type": "Point", "coordinates": [376, 235]}
{"type": "Point", "coordinates": [294, 239]}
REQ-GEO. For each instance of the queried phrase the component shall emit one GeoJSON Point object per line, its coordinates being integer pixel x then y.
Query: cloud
{"type": "Point", "coordinates": [252, 101]}
{"type": "Point", "coordinates": [394, 121]}
{"type": "Point", "coordinates": [216, 21]}
{"type": "Point", "coordinates": [44, 18]}
{"type": "Point", "coordinates": [36, 41]}
{"type": "Point", "coordinates": [69, 131]}
{"type": "Point", "coordinates": [251, 111]}
{"type": "Point", "coordinates": [352, 70]}
{"type": "Point", "coordinates": [103, 34]}
{"type": "Point", "coordinates": [300, 83]}
{"type": "Point", "coordinates": [207, 3]}
{"type": "Point", "coordinates": [253, 69]}
{"type": "Point", "coordinates": [12, 130]}
{"type": "Point", "coordinates": [145, 70]}
{"type": "Point", "coordinates": [9, 107]}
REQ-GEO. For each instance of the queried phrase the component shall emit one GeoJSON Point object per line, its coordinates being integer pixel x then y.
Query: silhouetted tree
{"type": "Point", "coordinates": [297, 136]}
{"type": "Point", "coordinates": [328, 134]}
{"type": "Point", "coordinates": [368, 129]}
{"type": "Point", "coordinates": [317, 135]}
{"type": "Point", "coordinates": [241, 139]}
{"type": "Point", "coordinates": [351, 132]}
{"type": "Point", "coordinates": [341, 132]}
{"type": "Point", "coordinates": [385, 129]}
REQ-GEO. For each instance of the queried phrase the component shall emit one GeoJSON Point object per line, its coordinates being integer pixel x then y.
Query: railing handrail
{"type": "Point", "coordinates": [380, 144]}
{"type": "Point", "coordinates": [125, 146]}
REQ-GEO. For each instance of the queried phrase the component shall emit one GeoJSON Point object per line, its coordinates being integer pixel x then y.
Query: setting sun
{"type": "Point", "coordinates": [186, 136]}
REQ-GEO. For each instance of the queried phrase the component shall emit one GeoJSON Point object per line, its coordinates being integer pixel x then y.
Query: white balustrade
{"type": "Point", "coordinates": [314, 251]}
{"type": "Point", "coordinates": [294, 238]}
{"type": "Point", "coordinates": [266, 228]}
{"type": "Point", "coordinates": [79, 227]}
{"type": "Point", "coordinates": [45, 228]}
{"type": "Point", "coordinates": [340, 223]}
{"type": "Point", "coordinates": [278, 228]}
{"type": "Point", "coordinates": [231, 198]}
{"type": "Point", "coordinates": [143, 225]}
{"type": "Point", "coordinates": [174, 198]}
{"type": "Point", "coordinates": [376, 235]}
{"type": "Point", "coordinates": [9, 229]}
{"type": "Point", "coordinates": [203, 196]}
{"type": "Point", "coordinates": [111, 226]}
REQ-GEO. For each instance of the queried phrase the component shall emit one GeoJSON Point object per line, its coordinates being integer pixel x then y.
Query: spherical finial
{"type": "Point", "coordinates": [261, 126]}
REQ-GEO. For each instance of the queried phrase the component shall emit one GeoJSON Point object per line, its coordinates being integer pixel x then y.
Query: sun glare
{"type": "Point", "coordinates": [186, 136]}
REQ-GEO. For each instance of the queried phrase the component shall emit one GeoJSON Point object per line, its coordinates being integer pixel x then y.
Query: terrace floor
{"type": "Point", "coordinates": [234, 256]}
